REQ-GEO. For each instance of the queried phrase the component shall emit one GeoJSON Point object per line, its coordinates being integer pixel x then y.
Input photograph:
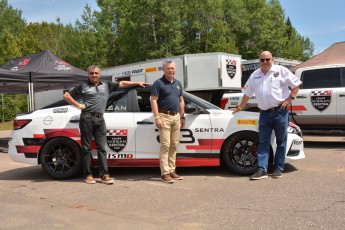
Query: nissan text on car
{"type": "Point", "coordinates": [50, 137]}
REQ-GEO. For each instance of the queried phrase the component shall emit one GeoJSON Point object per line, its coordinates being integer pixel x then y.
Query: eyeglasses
{"type": "Point", "coordinates": [168, 60]}
{"type": "Point", "coordinates": [265, 59]}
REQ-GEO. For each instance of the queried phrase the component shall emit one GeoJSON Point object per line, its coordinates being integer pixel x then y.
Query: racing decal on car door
{"type": "Point", "coordinates": [321, 99]}
{"type": "Point", "coordinates": [117, 139]}
{"type": "Point", "coordinates": [206, 144]}
{"type": "Point", "coordinates": [32, 145]}
{"type": "Point", "coordinates": [231, 67]}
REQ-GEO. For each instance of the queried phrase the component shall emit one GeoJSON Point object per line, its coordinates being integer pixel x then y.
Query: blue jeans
{"type": "Point", "coordinates": [93, 127]}
{"type": "Point", "coordinates": [277, 121]}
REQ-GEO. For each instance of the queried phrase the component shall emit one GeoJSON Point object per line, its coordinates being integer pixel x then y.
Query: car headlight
{"type": "Point", "coordinates": [293, 128]}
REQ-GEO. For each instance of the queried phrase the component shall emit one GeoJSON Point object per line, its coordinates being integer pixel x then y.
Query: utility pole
{"type": "Point", "coordinates": [3, 107]}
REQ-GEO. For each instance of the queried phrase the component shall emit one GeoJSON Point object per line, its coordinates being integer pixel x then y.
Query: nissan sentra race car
{"type": "Point", "coordinates": [210, 137]}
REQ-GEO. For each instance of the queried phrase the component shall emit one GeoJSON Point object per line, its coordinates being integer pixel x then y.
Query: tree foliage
{"type": "Point", "coordinates": [123, 32]}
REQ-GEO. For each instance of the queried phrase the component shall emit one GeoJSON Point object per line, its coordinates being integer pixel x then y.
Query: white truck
{"type": "Point", "coordinates": [206, 75]}
{"type": "Point", "coordinates": [319, 106]}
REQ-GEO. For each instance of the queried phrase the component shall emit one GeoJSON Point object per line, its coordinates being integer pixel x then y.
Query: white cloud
{"type": "Point", "coordinates": [338, 28]}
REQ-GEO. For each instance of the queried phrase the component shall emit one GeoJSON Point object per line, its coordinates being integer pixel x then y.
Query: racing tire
{"type": "Point", "coordinates": [61, 158]}
{"type": "Point", "coordinates": [239, 152]}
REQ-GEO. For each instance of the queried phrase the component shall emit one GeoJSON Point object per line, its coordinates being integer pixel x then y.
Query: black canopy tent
{"type": "Point", "coordinates": [10, 82]}
{"type": "Point", "coordinates": [7, 76]}
{"type": "Point", "coordinates": [43, 71]}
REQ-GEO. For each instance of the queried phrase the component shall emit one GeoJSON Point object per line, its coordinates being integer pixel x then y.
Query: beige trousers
{"type": "Point", "coordinates": [169, 138]}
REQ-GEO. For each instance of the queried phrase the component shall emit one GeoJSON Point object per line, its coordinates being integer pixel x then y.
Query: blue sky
{"type": "Point", "coordinates": [322, 21]}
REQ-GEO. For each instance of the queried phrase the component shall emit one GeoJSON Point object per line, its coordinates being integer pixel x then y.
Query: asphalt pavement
{"type": "Point", "coordinates": [310, 195]}
{"type": "Point", "coordinates": [5, 135]}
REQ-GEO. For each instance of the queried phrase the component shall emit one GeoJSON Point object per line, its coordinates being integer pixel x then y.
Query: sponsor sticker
{"type": "Point", "coordinates": [119, 156]}
{"type": "Point", "coordinates": [320, 99]}
{"type": "Point", "coordinates": [24, 62]}
{"type": "Point", "coordinates": [136, 71]}
{"type": "Point", "coordinates": [48, 120]}
{"type": "Point", "coordinates": [150, 70]}
{"type": "Point", "coordinates": [62, 66]}
{"type": "Point", "coordinates": [126, 73]}
{"type": "Point", "coordinates": [60, 110]}
{"type": "Point", "coordinates": [231, 67]}
{"type": "Point", "coordinates": [297, 142]}
{"type": "Point", "coordinates": [246, 122]}
{"type": "Point", "coordinates": [117, 139]}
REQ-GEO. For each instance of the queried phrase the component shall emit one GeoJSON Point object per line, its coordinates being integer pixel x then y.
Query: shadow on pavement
{"type": "Point", "coordinates": [325, 145]}
{"type": "Point", "coordinates": [36, 173]}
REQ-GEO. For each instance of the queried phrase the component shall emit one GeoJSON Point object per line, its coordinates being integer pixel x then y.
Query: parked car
{"type": "Point", "coordinates": [211, 136]}
{"type": "Point", "coordinates": [319, 105]}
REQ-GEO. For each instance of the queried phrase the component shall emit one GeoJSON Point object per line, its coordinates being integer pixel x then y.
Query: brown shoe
{"type": "Point", "coordinates": [106, 179]}
{"type": "Point", "coordinates": [167, 179]}
{"type": "Point", "coordinates": [175, 176]}
{"type": "Point", "coordinates": [90, 180]}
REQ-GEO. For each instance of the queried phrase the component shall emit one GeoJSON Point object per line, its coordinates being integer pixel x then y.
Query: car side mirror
{"type": "Point", "coordinates": [190, 108]}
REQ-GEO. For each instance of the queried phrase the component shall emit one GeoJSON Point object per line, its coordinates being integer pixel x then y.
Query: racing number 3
{"type": "Point", "coordinates": [186, 134]}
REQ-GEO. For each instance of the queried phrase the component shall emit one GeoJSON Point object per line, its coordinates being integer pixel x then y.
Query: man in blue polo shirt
{"type": "Point", "coordinates": [168, 108]}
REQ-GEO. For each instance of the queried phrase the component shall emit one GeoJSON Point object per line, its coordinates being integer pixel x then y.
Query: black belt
{"type": "Point", "coordinates": [271, 109]}
{"type": "Point", "coordinates": [92, 114]}
{"type": "Point", "coordinates": [167, 112]}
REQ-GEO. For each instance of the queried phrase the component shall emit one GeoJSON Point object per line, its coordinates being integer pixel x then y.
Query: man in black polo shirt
{"type": "Point", "coordinates": [168, 108]}
{"type": "Point", "coordinates": [94, 94]}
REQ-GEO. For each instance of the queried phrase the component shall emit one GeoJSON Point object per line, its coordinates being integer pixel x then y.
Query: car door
{"type": "Point", "coordinates": [316, 101]}
{"type": "Point", "coordinates": [341, 100]}
{"type": "Point", "coordinates": [195, 137]}
{"type": "Point", "coordinates": [120, 137]}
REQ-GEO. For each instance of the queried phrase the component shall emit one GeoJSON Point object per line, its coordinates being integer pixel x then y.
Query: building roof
{"type": "Point", "coordinates": [335, 54]}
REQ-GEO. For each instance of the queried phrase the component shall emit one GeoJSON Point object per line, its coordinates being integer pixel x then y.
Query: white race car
{"type": "Point", "coordinates": [211, 136]}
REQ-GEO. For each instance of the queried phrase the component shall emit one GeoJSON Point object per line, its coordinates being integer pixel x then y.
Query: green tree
{"type": "Point", "coordinates": [13, 104]}
{"type": "Point", "coordinates": [141, 30]}
{"type": "Point", "coordinates": [11, 25]}
{"type": "Point", "coordinates": [93, 46]}
{"type": "Point", "coordinates": [206, 28]}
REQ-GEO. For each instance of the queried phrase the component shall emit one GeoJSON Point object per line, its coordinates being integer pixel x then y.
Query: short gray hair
{"type": "Point", "coordinates": [167, 60]}
{"type": "Point", "coordinates": [93, 67]}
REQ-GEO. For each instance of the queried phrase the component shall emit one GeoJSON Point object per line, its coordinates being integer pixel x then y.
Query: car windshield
{"type": "Point", "coordinates": [114, 95]}
{"type": "Point", "coordinates": [203, 103]}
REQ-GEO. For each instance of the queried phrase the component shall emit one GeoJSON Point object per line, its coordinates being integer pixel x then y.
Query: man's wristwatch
{"type": "Point", "coordinates": [291, 97]}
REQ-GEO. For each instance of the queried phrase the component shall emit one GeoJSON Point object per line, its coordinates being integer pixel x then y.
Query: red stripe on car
{"type": "Point", "coordinates": [207, 144]}
{"type": "Point", "coordinates": [28, 149]}
{"type": "Point", "coordinates": [155, 162]}
{"type": "Point", "coordinates": [50, 133]}
{"type": "Point", "coordinates": [298, 108]}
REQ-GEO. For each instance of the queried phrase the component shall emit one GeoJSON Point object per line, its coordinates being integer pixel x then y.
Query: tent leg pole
{"type": "Point", "coordinates": [33, 96]}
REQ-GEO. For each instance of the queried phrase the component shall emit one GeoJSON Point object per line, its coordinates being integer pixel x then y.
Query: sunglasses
{"type": "Point", "coordinates": [92, 73]}
{"type": "Point", "coordinates": [265, 59]}
{"type": "Point", "coordinates": [168, 60]}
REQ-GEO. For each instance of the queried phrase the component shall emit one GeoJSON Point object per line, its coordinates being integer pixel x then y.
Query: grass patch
{"type": "Point", "coordinates": [6, 125]}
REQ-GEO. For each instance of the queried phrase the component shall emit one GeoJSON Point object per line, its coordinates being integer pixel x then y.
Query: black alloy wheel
{"type": "Point", "coordinates": [240, 152]}
{"type": "Point", "coordinates": [61, 158]}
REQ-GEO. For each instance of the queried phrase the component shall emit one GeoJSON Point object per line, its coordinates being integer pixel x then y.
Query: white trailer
{"type": "Point", "coordinates": [195, 71]}
{"type": "Point", "coordinates": [207, 75]}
